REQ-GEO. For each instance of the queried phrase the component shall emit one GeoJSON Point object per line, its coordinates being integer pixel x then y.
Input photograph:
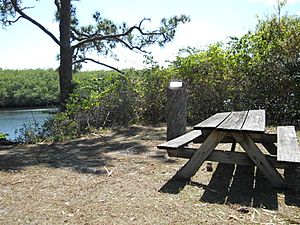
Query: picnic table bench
{"type": "Point", "coordinates": [246, 128]}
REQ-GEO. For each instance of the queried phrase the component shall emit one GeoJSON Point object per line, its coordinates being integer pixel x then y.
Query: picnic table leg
{"type": "Point", "coordinates": [200, 155]}
{"type": "Point", "coordinates": [260, 160]}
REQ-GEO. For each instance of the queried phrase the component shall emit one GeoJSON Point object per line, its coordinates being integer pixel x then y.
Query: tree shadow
{"type": "Point", "coordinates": [84, 155]}
{"type": "Point", "coordinates": [143, 133]}
{"type": "Point", "coordinates": [242, 185]}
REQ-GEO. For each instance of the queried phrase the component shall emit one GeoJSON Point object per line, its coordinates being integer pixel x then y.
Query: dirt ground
{"type": "Point", "coordinates": [120, 177]}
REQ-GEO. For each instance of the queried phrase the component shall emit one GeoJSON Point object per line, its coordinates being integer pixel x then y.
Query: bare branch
{"type": "Point", "coordinates": [9, 22]}
{"type": "Point", "coordinates": [97, 62]}
{"type": "Point", "coordinates": [25, 16]}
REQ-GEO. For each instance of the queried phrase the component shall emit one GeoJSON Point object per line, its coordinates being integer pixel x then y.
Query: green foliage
{"type": "Point", "coordinates": [60, 127]}
{"type": "Point", "coordinates": [207, 76]}
{"type": "Point", "coordinates": [151, 90]}
{"type": "Point", "coordinates": [271, 70]}
{"type": "Point", "coordinates": [3, 136]}
{"type": "Point", "coordinates": [104, 99]}
{"type": "Point", "coordinates": [28, 88]}
{"type": "Point", "coordinates": [259, 70]}
{"type": "Point", "coordinates": [31, 133]}
{"type": "Point", "coordinates": [112, 99]}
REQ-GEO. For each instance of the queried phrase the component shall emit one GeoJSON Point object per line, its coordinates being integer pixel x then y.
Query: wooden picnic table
{"type": "Point", "coordinates": [246, 128]}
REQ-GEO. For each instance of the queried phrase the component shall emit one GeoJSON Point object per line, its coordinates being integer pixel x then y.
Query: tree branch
{"type": "Point", "coordinates": [25, 16]}
{"type": "Point", "coordinates": [78, 33]}
{"type": "Point", "coordinates": [131, 47]}
{"type": "Point", "coordinates": [116, 36]}
{"type": "Point", "coordinates": [97, 62]}
{"type": "Point", "coordinates": [9, 22]}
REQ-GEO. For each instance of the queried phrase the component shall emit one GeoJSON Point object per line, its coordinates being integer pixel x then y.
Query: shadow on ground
{"type": "Point", "coordinates": [85, 155]}
{"type": "Point", "coordinates": [242, 185]}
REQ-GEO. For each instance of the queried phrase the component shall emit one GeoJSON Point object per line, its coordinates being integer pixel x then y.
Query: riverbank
{"type": "Point", "coordinates": [12, 120]}
{"type": "Point", "coordinates": [114, 178]}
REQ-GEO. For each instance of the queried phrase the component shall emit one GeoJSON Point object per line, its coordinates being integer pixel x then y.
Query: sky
{"type": "Point", "coordinates": [24, 46]}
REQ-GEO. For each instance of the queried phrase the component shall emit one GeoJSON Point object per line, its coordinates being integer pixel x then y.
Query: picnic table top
{"type": "Point", "coordinates": [251, 120]}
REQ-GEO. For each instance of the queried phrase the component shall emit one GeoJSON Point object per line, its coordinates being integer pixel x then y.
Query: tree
{"type": "Point", "coordinates": [267, 60]}
{"type": "Point", "coordinates": [76, 41]}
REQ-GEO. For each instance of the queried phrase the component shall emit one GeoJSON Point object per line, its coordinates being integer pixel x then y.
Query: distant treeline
{"type": "Point", "coordinates": [28, 88]}
{"type": "Point", "coordinates": [34, 87]}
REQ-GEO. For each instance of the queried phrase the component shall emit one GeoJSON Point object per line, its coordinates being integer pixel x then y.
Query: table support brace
{"type": "Point", "coordinates": [193, 165]}
{"type": "Point", "coordinates": [260, 160]}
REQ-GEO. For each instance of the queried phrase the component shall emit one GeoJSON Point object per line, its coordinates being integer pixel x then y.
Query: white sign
{"type": "Point", "coordinates": [175, 84]}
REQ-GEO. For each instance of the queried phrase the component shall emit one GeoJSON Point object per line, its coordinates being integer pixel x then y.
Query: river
{"type": "Point", "coordinates": [11, 120]}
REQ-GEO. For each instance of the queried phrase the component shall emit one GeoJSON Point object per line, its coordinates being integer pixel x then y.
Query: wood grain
{"type": "Point", "coordinates": [213, 121]}
{"type": "Point", "coordinates": [288, 148]}
{"type": "Point", "coordinates": [234, 121]}
{"type": "Point", "coordinates": [255, 121]}
{"type": "Point", "coordinates": [181, 140]}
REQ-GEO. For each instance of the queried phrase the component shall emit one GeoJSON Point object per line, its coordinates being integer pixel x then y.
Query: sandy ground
{"type": "Point", "coordinates": [120, 177]}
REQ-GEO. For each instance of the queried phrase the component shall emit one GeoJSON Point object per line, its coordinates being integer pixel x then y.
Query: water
{"type": "Point", "coordinates": [12, 120]}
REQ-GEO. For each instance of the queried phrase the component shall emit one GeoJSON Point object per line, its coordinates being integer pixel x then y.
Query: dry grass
{"type": "Point", "coordinates": [115, 178]}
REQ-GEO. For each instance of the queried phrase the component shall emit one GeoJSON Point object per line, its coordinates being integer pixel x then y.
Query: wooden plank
{"type": "Point", "coordinates": [260, 160]}
{"type": "Point", "coordinates": [263, 137]}
{"type": "Point", "coordinates": [255, 121]}
{"type": "Point", "coordinates": [181, 140]}
{"type": "Point", "coordinates": [288, 148]}
{"type": "Point", "coordinates": [234, 121]}
{"type": "Point", "coordinates": [228, 157]}
{"type": "Point", "coordinates": [256, 137]}
{"type": "Point", "coordinates": [213, 121]}
{"type": "Point", "coordinates": [193, 165]}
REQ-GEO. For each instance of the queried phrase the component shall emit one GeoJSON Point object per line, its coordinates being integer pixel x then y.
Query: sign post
{"type": "Point", "coordinates": [176, 109]}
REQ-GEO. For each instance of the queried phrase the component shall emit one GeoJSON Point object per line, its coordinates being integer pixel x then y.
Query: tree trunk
{"type": "Point", "coordinates": [65, 69]}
